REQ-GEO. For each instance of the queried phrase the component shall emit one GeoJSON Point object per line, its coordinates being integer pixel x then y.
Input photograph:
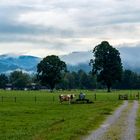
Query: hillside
{"type": "Point", "coordinates": [9, 63]}
{"type": "Point", "coordinates": [75, 61]}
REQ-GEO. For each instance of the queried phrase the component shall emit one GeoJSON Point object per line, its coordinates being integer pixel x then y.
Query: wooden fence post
{"type": "Point", "coordinates": [95, 96]}
{"type": "Point", "coordinates": [15, 99]}
{"type": "Point", "coordinates": [35, 99]}
{"type": "Point", "coordinates": [53, 98]}
{"type": "Point", "coordinates": [131, 97]}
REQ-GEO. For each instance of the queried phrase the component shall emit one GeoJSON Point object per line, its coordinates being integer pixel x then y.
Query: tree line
{"type": "Point", "coordinates": [71, 80]}
{"type": "Point", "coordinates": [83, 80]}
{"type": "Point", "coordinates": [107, 72]}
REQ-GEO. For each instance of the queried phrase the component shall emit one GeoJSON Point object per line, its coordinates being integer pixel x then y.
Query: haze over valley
{"type": "Point", "coordinates": [75, 61]}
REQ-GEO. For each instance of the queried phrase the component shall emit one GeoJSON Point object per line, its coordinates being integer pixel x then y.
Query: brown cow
{"type": "Point", "coordinates": [68, 97]}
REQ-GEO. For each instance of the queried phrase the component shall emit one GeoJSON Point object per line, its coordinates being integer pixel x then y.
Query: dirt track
{"type": "Point", "coordinates": [119, 126]}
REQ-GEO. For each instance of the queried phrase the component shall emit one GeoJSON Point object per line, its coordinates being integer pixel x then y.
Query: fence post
{"type": "Point", "coordinates": [35, 99]}
{"type": "Point", "coordinates": [131, 96]}
{"type": "Point", "coordinates": [53, 98]}
{"type": "Point", "coordinates": [95, 96]}
{"type": "Point", "coordinates": [15, 99]}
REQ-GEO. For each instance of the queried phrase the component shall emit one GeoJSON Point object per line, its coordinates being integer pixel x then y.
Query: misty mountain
{"type": "Point", "coordinates": [82, 66]}
{"type": "Point", "coordinates": [75, 58]}
{"type": "Point", "coordinates": [10, 63]}
{"type": "Point", "coordinates": [75, 61]}
{"type": "Point", "coordinates": [130, 58]}
{"type": "Point", "coordinates": [78, 60]}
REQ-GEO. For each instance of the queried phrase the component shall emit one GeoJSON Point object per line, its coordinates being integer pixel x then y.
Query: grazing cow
{"type": "Point", "coordinates": [68, 97]}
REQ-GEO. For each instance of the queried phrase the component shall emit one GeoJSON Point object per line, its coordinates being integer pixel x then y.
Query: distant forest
{"type": "Point", "coordinates": [82, 80]}
{"type": "Point", "coordinates": [70, 80]}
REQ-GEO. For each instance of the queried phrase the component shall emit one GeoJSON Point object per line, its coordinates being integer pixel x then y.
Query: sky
{"type": "Point", "coordinates": [45, 27]}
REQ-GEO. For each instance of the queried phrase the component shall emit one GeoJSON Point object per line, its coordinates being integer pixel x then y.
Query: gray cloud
{"type": "Point", "coordinates": [68, 25]}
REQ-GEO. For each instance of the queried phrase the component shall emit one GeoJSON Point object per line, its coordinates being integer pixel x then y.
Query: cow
{"type": "Point", "coordinates": [68, 97]}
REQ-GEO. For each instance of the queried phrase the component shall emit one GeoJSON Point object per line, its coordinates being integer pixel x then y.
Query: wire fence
{"type": "Point", "coordinates": [55, 98]}
{"type": "Point", "coordinates": [34, 99]}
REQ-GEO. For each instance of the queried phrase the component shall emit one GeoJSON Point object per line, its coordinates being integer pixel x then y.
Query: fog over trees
{"type": "Point", "coordinates": [106, 72]}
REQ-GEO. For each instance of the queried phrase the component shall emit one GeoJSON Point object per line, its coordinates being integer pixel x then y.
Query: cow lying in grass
{"type": "Point", "coordinates": [68, 97]}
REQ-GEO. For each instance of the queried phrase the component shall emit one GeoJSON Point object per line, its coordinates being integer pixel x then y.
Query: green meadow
{"type": "Point", "coordinates": [38, 115]}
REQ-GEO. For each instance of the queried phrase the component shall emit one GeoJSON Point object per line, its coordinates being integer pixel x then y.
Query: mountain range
{"type": "Point", "coordinates": [77, 60]}
{"type": "Point", "coordinates": [130, 57]}
{"type": "Point", "coordinates": [9, 63]}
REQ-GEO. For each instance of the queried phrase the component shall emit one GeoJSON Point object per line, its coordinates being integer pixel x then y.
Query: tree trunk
{"type": "Point", "coordinates": [108, 88]}
{"type": "Point", "coordinates": [52, 86]}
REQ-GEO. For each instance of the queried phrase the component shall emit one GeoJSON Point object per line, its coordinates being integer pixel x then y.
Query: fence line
{"type": "Point", "coordinates": [94, 97]}
{"type": "Point", "coordinates": [20, 99]}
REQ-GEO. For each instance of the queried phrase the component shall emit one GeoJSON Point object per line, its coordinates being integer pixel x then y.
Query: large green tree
{"type": "Point", "coordinates": [50, 70]}
{"type": "Point", "coordinates": [106, 64]}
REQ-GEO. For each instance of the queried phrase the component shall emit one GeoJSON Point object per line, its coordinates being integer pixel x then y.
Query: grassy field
{"type": "Point", "coordinates": [38, 115]}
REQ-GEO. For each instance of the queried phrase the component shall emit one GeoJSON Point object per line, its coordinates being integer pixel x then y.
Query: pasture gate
{"type": "Point", "coordinates": [129, 96]}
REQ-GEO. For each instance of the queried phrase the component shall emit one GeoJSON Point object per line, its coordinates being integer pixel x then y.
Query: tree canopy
{"type": "Point", "coordinates": [3, 80]}
{"type": "Point", "coordinates": [107, 64]}
{"type": "Point", "coordinates": [19, 79]}
{"type": "Point", "coordinates": [50, 70]}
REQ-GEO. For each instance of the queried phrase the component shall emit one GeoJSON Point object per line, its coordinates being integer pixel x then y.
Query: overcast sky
{"type": "Point", "coordinates": [43, 27]}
